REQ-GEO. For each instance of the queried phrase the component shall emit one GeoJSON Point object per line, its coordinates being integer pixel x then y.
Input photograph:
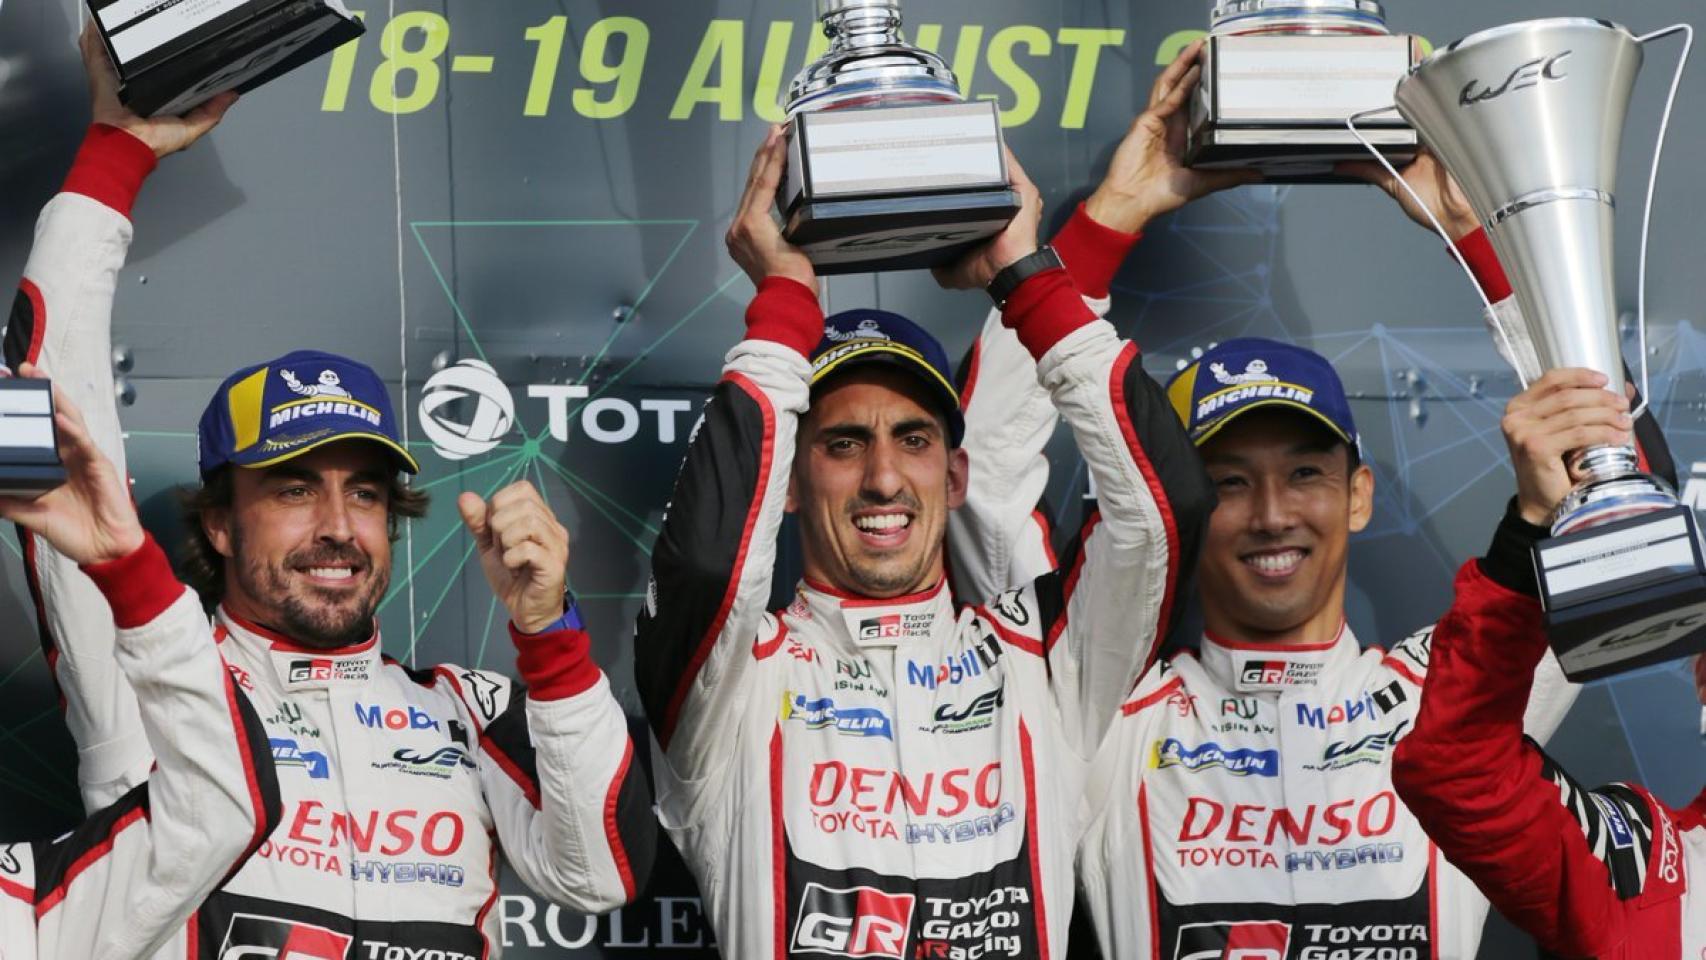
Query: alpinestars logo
{"type": "Point", "coordinates": [265, 938]}
{"type": "Point", "coordinates": [857, 922]}
{"type": "Point", "coordinates": [1248, 940]}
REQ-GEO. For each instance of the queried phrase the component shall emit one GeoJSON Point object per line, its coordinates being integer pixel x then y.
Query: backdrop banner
{"type": "Point", "coordinates": [514, 210]}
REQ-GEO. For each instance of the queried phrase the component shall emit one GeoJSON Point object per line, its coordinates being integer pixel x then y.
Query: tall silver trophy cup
{"type": "Point", "coordinates": [1529, 118]}
{"type": "Point", "coordinates": [889, 168]}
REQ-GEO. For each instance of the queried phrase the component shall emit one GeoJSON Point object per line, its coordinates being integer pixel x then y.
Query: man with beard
{"type": "Point", "coordinates": [401, 787]}
{"type": "Point", "coordinates": [123, 881]}
{"type": "Point", "coordinates": [878, 770]}
{"type": "Point", "coordinates": [1243, 799]}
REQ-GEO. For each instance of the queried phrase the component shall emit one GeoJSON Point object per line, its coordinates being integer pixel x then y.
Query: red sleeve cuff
{"type": "Point", "coordinates": [1484, 263]}
{"type": "Point", "coordinates": [1092, 252]}
{"type": "Point", "coordinates": [1044, 310]}
{"type": "Point", "coordinates": [138, 587]}
{"type": "Point", "coordinates": [785, 312]}
{"type": "Point", "coordinates": [556, 664]}
{"type": "Point", "coordinates": [110, 167]}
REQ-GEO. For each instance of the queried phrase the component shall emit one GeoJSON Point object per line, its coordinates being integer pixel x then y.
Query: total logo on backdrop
{"type": "Point", "coordinates": [466, 410]}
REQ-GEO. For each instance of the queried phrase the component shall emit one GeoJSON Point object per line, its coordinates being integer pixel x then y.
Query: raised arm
{"type": "Point", "coordinates": [712, 563]}
{"type": "Point", "coordinates": [1571, 866]}
{"type": "Point", "coordinates": [1104, 615]}
{"type": "Point", "coordinates": [571, 803]}
{"type": "Point", "coordinates": [61, 320]}
{"type": "Point", "coordinates": [1001, 537]}
{"type": "Point", "coordinates": [131, 875]}
{"type": "Point", "coordinates": [128, 877]}
{"type": "Point", "coordinates": [1114, 602]}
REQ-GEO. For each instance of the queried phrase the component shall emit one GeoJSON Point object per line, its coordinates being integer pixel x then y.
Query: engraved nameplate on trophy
{"type": "Point", "coordinates": [888, 167]}
{"type": "Point", "coordinates": [1279, 79]}
{"type": "Point", "coordinates": [173, 55]}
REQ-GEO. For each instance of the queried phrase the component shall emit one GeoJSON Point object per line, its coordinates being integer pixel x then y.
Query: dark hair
{"type": "Point", "coordinates": [203, 567]}
{"type": "Point", "coordinates": [937, 406]}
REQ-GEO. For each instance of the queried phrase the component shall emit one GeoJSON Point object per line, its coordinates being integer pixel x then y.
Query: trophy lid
{"type": "Point", "coordinates": [1306, 17]}
{"type": "Point", "coordinates": [870, 62]}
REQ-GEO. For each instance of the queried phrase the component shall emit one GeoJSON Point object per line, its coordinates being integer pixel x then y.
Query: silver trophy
{"type": "Point", "coordinates": [1529, 118]}
{"type": "Point", "coordinates": [1280, 77]}
{"type": "Point", "coordinates": [888, 167]}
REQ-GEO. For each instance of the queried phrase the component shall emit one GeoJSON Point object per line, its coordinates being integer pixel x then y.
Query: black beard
{"type": "Point", "coordinates": [315, 627]}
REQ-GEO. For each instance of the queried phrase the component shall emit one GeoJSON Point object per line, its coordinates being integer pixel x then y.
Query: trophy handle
{"type": "Point", "coordinates": [1652, 187]}
{"type": "Point", "coordinates": [1510, 349]}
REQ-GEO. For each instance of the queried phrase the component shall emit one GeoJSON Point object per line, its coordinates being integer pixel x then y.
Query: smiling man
{"type": "Point", "coordinates": [403, 790]}
{"type": "Point", "coordinates": [878, 769]}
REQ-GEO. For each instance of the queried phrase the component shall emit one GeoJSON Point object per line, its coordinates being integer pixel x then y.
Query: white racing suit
{"type": "Point", "coordinates": [1242, 800]}
{"type": "Point", "coordinates": [400, 787]}
{"type": "Point", "coordinates": [899, 778]}
{"type": "Point", "coordinates": [124, 881]}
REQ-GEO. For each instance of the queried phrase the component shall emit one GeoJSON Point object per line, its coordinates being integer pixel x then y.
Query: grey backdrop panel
{"type": "Point", "coordinates": [581, 246]}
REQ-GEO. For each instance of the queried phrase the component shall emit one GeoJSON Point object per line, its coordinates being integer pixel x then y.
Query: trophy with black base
{"type": "Point", "coordinates": [1529, 120]}
{"type": "Point", "coordinates": [1279, 79]}
{"type": "Point", "coordinates": [889, 168]}
{"type": "Point", "coordinates": [29, 452]}
{"type": "Point", "coordinates": [173, 55]}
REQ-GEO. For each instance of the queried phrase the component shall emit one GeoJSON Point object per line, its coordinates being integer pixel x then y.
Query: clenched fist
{"type": "Point", "coordinates": [524, 552]}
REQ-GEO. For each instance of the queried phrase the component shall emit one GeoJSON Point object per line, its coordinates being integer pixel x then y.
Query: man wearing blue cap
{"type": "Point", "coordinates": [877, 769]}
{"type": "Point", "coordinates": [1242, 804]}
{"type": "Point", "coordinates": [401, 788]}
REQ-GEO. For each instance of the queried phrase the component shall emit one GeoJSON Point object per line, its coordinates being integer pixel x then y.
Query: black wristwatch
{"type": "Point", "coordinates": [1001, 289]}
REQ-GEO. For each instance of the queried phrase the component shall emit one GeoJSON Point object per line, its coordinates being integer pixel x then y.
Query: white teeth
{"type": "Point", "coordinates": [331, 573]}
{"type": "Point", "coordinates": [887, 521]}
{"type": "Point", "coordinates": [1276, 562]}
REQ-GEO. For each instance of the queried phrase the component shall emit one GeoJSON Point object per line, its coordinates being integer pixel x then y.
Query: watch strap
{"type": "Point", "coordinates": [1008, 281]}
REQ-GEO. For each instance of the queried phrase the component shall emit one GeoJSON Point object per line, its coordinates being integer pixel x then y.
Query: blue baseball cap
{"type": "Point", "coordinates": [271, 412]}
{"type": "Point", "coordinates": [1253, 373]}
{"type": "Point", "coordinates": [858, 337]}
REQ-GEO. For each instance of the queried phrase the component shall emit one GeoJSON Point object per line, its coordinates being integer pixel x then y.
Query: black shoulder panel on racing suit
{"type": "Point", "coordinates": [697, 559]}
{"type": "Point", "coordinates": [20, 330]}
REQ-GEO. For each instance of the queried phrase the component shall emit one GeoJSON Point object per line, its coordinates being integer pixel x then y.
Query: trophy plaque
{"type": "Point", "coordinates": [889, 168]}
{"type": "Point", "coordinates": [173, 55]}
{"type": "Point", "coordinates": [1279, 79]}
{"type": "Point", "coordinates": [29, 452]}
{"type": "Point", "coordinates": [1529, 119]}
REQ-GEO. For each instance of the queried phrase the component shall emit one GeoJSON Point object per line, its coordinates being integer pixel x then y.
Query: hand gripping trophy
{"type": "Point", "coordinates": [889, 168]}
{"type": "Point", "coordinates": [1528, 118]}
